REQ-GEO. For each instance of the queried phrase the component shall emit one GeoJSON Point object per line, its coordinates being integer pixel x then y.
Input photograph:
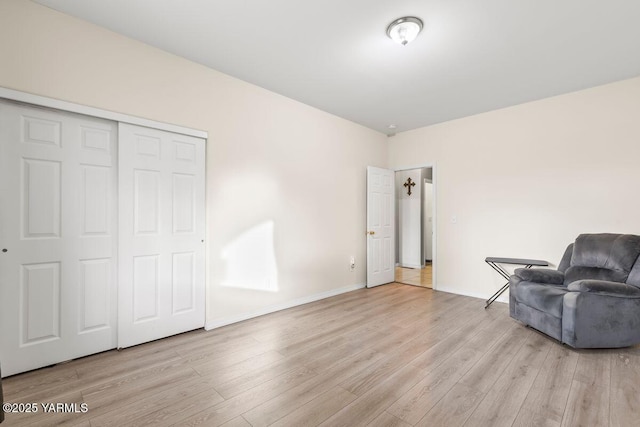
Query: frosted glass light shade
{"type": "Point", "coordinates": [404, 30]}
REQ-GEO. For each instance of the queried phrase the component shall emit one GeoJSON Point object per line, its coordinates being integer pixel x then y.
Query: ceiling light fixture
{"type": "Point", "coordinates": [404, 30]}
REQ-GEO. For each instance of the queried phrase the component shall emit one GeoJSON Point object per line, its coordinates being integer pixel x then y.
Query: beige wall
{"type": "Point", "coordinates": [270, 160]}
{"type": "Point", "coordinates": [524, 181]}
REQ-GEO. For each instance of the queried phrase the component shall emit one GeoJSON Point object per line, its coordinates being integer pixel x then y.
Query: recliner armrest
{"type": "Point", "coordinates": [540, 275]}
{"type": "Point", "coordinates": [603, 287]}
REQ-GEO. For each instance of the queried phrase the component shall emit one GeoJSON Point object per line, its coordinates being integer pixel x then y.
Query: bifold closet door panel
{"type": "Point", "coordinates": [58, 229]}
{"type": "Point", "coordinates": [161, 288]}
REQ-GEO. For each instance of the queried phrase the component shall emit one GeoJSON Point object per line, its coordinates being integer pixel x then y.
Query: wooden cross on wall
{"type": "Point", "coordinates": [408, 185]}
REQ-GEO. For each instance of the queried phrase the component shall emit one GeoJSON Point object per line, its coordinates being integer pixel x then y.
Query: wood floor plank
{"type": "Point", "coordinates": [98, 378]}
{"type": "Point", "coordinates": [486, 372]}
{"type": "Point", "coordinates": [385, 419]}
{"type": "Point", "coordinates": [397, 358]}
{"type": "Point", "coordinates": [587, 405]}
{"type": "Point", "coordinates": [460, 402]}
{"type": "Point", "coordinates": [151, 402]}
{"type": "Point", "coordinates": [20, 387]}
{"type": "Point", "coordinates": [176, 411]}
{"type": "Point", "coordinates": [454, 408]}
{"type": "Point", "coordinates": [333, 355]}
{"type": "Point", "coordinates": [231, 408]}
{"type": "Point", "coordinates": [413, 405]}
{"type": "Point", "coordinates": [237, 422]}
{"type": "Point", "coordinates": [123, 363]}
{"type": "Point", "coordinates": [547, 399]}
{"type": "Point", "coordinates": [253, 378]}
{"type": "Point", "coordinates": [228, 368]}
{"type": "Point", "coordinates": [370, 405]}
{"type": "Point", "coordinates": [624, 400]}
{"type": "Point", "coordinates": [315, 356]}
{"type": "Point", "coordinates": [111, 392]}
{"type": "Point", "coordinates": [364, 381]}
{"type": "Point", "coordinates": [45, 418]}
{"type": "Point", "coordinates": [323, 336]}
{"type": "Point", "coordinates": [208, 351]}
{"type": "Point", "coordinates": [281, 405]}
{"type": "Point", "coordinates": [594, 366]}
{"type": "Point", "coordinates": [501, 404]}
{"type": "Point", "coordinates": [317, 410]}
{"type": "Point", "coordinates": [443, 349]}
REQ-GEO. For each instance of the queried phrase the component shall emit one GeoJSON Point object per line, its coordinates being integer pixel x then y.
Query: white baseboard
{"type": "Point", "coordinates": [218, 323]}
{"type": "Point", "coordinates": [504, 298]}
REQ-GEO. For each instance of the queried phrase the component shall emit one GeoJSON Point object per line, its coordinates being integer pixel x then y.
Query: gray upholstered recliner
{"type": "Point", "coordinates": [591, 301]}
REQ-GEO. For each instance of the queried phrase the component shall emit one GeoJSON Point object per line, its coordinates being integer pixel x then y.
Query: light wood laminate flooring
{"type": "Point", "coordinates": [415, 276]}
{"type": "Point", "coordinates": [393, 355]}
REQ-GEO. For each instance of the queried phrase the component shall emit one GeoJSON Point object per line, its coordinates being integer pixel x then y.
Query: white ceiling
{"type": "Point", "coordinates": [473, 56]}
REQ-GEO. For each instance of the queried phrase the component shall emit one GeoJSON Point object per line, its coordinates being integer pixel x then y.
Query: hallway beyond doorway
{"type": "Point", "coordinates": [415, 276]}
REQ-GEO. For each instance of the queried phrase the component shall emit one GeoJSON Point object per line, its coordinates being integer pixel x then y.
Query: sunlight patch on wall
{"type": "Point", "coordinates": [251, 261]}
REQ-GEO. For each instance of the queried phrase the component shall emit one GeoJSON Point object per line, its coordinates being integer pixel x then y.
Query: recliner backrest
{"type": "Point", "coordinates": [565, 262]}
{"type": "Point", "coordinates": [634, 275]}
{"type": "Point", "coordinates": [603, 257]}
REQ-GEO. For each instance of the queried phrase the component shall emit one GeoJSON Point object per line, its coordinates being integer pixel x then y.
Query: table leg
{"type": "Point", "coordinates": [504, 274]}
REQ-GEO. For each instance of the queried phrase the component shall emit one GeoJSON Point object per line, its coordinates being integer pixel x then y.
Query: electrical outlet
{"type": "Point", "coordinates": [352, 265]}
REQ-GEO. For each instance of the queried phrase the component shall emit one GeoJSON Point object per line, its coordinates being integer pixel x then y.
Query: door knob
{"type": "Point", "coordinates": [371, 233]}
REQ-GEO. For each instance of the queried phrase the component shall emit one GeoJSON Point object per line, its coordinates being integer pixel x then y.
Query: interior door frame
{"type": "Point", "coordinates": [434, 240]}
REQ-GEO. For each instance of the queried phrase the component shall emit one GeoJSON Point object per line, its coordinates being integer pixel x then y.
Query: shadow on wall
{"type": "Point", "coordinates": [250, 260]}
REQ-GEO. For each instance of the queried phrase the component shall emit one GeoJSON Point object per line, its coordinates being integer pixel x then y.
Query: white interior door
{"type": "Point", "coordinates": [162, 232]}
{"type": "Point", "coordinates": [57, 236]}
{"type": "Point", "coordinates": [380, 226]}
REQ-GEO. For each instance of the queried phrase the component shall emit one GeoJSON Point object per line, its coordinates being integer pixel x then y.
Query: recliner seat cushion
{"type": "Point", "coordinates": [545, 298]}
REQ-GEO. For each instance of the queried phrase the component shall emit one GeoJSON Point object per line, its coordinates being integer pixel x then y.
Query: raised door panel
{"type": "Point", "coordinates": [387, 209]}
{"type": "Point", "coordinates": [41, 195]}
{"type": "Point", "coordinates": [40, 303]}
{"type": "Point", "coordinates": [146, 212]}
{"type": "Point", "coordinates": [96, 200]}
{"type": "Point", "coordinates": [37, 130]}
{"type": "Point", "coordinates": [185, 152]}
{"type": "Point", "coordinates": [147, 146]}
{"type": "Point", "coordinates": [95, 295]}
{"type": "Point", "coordinates": [94, 139]}
{"type": "Point", "coordinates": [184, 203]}
{"type": "Point", "coordinates": [183, 282]}
{"type": "Point", "coordinates": [145, 288]}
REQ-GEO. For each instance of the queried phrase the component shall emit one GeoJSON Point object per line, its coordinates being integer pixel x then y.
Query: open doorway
{"type": "Point", "coordinates": [414, 227]}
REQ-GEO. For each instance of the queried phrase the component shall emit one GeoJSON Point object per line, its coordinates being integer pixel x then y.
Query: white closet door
{"type": "Point", "coordinates": [162, 228]}
{"type": "Point", "coordinates": [57, 237]}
